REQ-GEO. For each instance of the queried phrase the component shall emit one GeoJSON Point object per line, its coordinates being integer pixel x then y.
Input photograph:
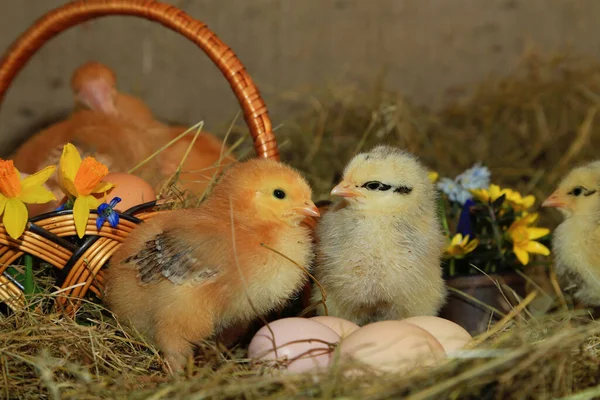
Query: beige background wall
{"type": "Point", "coordinates": [427, 46]}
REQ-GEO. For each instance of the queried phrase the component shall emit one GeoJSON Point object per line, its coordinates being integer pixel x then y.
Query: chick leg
{"type": "Point", "coordinates": [176, 335]}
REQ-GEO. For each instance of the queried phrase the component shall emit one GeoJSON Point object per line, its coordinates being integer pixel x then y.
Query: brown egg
{"type": "Point", "coordinates": [451, 336]}
{"type": "Point", "coordinates": [392, 346]}
{"type": "Point", "coordinates": [132, 190]}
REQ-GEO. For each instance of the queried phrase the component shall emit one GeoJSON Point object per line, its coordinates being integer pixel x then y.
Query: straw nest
{"type": "Point", "coordinates": [518, 125]}
{"type": "Point", "coordinates": [48, 356]}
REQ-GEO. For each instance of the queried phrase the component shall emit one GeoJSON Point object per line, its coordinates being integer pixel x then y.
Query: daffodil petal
{"type": "Point", "coordinates": [15, 217]}
{"type": "Point", "coordinates": [93, 202]}
{"type": "Point", "coordinates": [102, 187]}
{"type": "Point", "coordinates": [36, 195]}
{"type": "Point", "coordinates": [81, 212]}
{"type": "Point", "coordinates": [68, 188]}
{"type": "Point", "coordinates": [3, 200]}
{"type": "Point", "coordinates": [537, 248]}
{"type": "Point", "coordinates": [69, 163]}
{"type": "Point", "coordinates": [522, 255]}
{"type": "Point", "coordinates": [37, 179]}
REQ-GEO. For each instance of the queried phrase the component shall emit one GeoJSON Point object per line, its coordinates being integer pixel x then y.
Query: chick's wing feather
{"type": "Point", "coordinates": [168, 255]}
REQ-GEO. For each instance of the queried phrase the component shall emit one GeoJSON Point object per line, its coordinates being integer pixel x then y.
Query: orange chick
{"type": "Point", "coordinates": [186, 275]}
{"type": "Point", "coordinates": [94, 86]}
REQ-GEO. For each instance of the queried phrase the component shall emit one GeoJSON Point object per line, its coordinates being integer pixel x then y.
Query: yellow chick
{"type": "Point", "coordinates": [576, 240]}
{"type": "Point", "coordinates": [185, 275]}
{"type": "Point", "coordinates": [379, 249]}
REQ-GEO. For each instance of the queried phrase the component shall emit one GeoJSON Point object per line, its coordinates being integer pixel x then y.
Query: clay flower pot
{"type": "Point", "coordinates": [473, 316]}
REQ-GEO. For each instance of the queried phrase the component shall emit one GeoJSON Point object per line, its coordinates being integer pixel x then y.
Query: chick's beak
{"type": "Point", "coordinates": [309, 210]}
{"type": "Point", "coordinates": [555, 200]}
{"type": "Point", "coordinates": [97, 97]}
{"type": "Point", "coordinates": [344, 190]}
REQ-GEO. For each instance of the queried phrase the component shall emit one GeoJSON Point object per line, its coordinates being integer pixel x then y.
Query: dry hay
{"type": "Point", "coordinates": [517, 125]}
{"type": "Point", "coordinates": [529, 127]}
{"type": "Point", "coordinates": [48, 356]}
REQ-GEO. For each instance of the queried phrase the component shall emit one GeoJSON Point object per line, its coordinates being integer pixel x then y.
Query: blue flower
{"type": "Point", "coordinates": [476, 177]}
{"type": "Point", "coordinates": [455, 191]}
{"type": "Point", "coordinates": [465, 227]}
{"type": "Point", "coordinates": [106, 213]}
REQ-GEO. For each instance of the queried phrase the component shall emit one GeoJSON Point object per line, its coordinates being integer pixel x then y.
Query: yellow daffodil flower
{"type": "Point", "coordinates": [433, 176]}
{"type": "Point", "coordinates": [512, 198]}
{"type": "Point", "coordinates": [523, 237]}
{"type": "Point", "coordinates": [80, 179]}
{"type": "Point", "coordinates": [15, 193]}
{"type": "Point", "coordinates": [459, 246]}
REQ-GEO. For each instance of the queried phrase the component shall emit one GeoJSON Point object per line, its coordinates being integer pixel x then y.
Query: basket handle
{"type": "Point", "coordinates": [76, 12]}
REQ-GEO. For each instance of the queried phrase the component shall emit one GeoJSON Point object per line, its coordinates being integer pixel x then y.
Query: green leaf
{"type": "Point", "coordinates": [496, 204]}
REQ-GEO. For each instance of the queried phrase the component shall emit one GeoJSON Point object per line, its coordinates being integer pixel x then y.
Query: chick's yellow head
{"type": "Point", "coordinates": [578, 194]}
{"type": "Point", "coordinates": [268, 191]}
{"type": "Point", "coordinates": [386, 179]}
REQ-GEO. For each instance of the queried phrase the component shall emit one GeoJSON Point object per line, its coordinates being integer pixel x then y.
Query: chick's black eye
{"type": "Point", "coordinates": [576, 191]}
{"type": "Point", "coordinates": [375, 185]}
{"type": "Point", "coordinates": [280, 194]}
{"type": "Point", "coordinates": [372, 185]}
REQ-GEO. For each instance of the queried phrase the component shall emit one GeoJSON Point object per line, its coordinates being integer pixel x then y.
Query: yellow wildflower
{"type": "Point", "coordinates": [80, 179]}
{"type": "Point", "coordinates": [433, 176]}
{"type": "Point", "coordinates": [488, 195]}
{"type": "Point", "coordinates": [14, 193]}
{"type": "Point", "coordinates": [459, 246]}
{"type": "Point", "coordinates": [512, 198]}
{"type": "Point", "coordinates": [523, 237]}
{"type": "Point", "coordinates": [518, 202]}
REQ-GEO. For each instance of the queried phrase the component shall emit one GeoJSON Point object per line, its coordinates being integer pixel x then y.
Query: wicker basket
{"type": "Point", "coordinates": [80, 267]}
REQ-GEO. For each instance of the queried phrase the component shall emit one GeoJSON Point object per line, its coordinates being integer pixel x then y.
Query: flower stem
{"type": "Point", "coordinates": [443, 218]}
{"type": "Point", "coordinates": [28, 284]}
{"type": "Point", "coordinates": [497, 235]}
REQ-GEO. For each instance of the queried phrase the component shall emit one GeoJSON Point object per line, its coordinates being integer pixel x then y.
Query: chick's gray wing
{"type": "Point", "coordinates": [171, 255]}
